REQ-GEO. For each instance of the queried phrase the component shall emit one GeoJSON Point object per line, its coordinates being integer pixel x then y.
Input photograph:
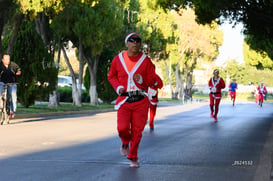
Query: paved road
{"type": "Point", "coordinates": [186, 145]}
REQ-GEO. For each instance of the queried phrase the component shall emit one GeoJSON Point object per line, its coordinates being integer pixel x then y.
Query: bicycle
{"type": "Point", "coordinates": [5, 109]}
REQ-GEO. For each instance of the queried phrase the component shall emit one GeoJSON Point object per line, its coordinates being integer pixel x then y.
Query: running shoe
{"type": "Point", "coordinates": [134, 163]}
{"type": "Point", "coordinates": [11, 115]}
{"type": "Point", "coordinates": [124, 150]}
{"type": "Point", "coordinates": [215, 119]}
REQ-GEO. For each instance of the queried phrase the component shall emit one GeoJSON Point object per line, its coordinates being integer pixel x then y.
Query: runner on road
{"type": "Point", "coordinates": [216, 84]}
{"type": "Point", "coordinates": [262, 93]}
{"type": "Point", "coordinates": [232, 90]}
{"type": "Point", "coordinates": [131, 74]}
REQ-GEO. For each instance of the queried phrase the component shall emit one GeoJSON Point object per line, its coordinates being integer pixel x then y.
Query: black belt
{"type": "Point", "coordinates": [215, 92]}
{"type": "Point", "coordinates": [135, 98]}
{"type": "Point", "coordinates": [133, 93]}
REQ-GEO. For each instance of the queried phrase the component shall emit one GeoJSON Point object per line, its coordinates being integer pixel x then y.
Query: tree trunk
{"type": "Point", "coordinates": [81, 66]}
{"type": "Point", "coordinates": [2, 16]}
{"type": "Point", "coordinates": [180, 84]}
{"type": "Point", "coordinates": [76, 94]}
{"type": "Point", "coordinates": [40, 24]}
{"type": "Point", "coordinates": [189, 86]}
{"type": "Point", "coordinates": [14, 34]}
{"type": "Point", "coordinates": [168, 75]}
{"type": "Point", "coordinates": [53, 100]}
{"type": "Point", "coordinates": [92, 67]}
{"type": "Point", "coordinates": [177, 86]}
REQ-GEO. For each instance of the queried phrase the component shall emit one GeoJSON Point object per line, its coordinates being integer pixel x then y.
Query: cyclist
{"type": "Point", "coordinates": [8, 72]}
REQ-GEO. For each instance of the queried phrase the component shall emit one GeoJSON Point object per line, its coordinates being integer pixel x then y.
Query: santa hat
{"type": "Point", "coordinates": [215, 71]}
{"type": "Point", "coordinates": [130, 35]}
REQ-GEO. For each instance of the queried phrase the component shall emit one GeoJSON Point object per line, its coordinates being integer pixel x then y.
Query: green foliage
{"type": "Point", "coordinates": [89, 23]}
{"type": "Point", "coordinates": [66, 92]}
{"type": "Point", "coordinates": [86, 79]}
{"type": "Point", "coordinates": [36, 6]}
{"type": "Point", "coordinates": [39, 75]}
{"type": "Point", "coordinates": [255, 15]}
{"type": "Point", "coordinates": [246, 74]}
{"type": "Point", "coordinates": [260, 60]}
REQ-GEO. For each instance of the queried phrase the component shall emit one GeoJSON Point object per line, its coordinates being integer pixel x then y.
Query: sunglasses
{"type": "Point", "coordinates": [137, 40]}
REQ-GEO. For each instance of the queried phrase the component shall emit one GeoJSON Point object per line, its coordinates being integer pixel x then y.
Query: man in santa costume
{"type": "Point", "coordinates": [216, 84]}
{"type": "Point", "coordinates": [262, 92]}
{"type": "Point", "coordinates": [130, 74]}
{"type": "Point", "coordinates": [153, 97]}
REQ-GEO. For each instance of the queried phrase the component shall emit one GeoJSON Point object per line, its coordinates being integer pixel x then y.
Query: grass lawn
{"type": "Point", "coordinates": [68, 107]}
{"type": "Point", "coordinates": [64, 107]}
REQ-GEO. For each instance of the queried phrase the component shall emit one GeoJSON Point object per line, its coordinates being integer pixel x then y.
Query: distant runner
{"type": "Point", "coordinates": [262, 93]}
{"type": "Point", "coordinates": [232, 90]}
{"type": "Point", "coordinates": [216, 84]}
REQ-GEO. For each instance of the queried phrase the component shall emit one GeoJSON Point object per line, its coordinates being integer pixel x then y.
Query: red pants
{"type": "Point", "coordinates": [214, 105]}
{"type": "Point", "coordinates": [233, 96]}
{"type": "Point", "coordinates": [256, 98]}
{"type": "Point", "coordinates": [131, 120]}
{"type": "Point", "coordinates": [152, 114]}
{"type": "Point", "coordinates": [261, 99]}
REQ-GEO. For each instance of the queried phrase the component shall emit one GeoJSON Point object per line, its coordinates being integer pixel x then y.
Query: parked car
{"type": "Point", "coordinates": [64, 81]}
{"type": "Point", "coordinates": [67, 81]}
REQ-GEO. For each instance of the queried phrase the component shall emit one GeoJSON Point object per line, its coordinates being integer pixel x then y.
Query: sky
{"type": "Point", "coordinates": [232, 47]}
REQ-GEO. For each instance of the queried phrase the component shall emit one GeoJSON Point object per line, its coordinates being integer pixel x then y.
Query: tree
{"type": "Point", "coordinates": [256, 16]}
{"type": "Point", "coordinates": [97, 18]}
{"type": "Point", "coordinates": [33, 58]}
{"type": "Point", "coordinates": [15, 11]}
{"type": "Point", "coordinates": [194, 43]}
{"type": "Point", "coordinates": [158, 30]}
{"type": "Point", "coordinates": [9, 16]}
{"type": "Point", "coordinates": [105, 89]}
{"type": "Point", "coordinates": [260, 60]}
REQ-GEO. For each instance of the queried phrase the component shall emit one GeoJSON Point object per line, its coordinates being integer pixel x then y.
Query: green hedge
{"type": "Point", "coordinates": [65, 95]}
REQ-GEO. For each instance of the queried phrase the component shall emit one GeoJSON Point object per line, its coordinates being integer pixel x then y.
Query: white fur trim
{"type": "Point", "coordinates": [129, 35]}
{"type": "Point", "coordinates": [119, 87]}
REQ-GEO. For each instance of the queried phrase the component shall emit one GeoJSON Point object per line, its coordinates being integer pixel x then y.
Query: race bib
{"type": "Point", "coordinates": [151, 91]}
{"type": "Point", "coordinates": [213, 89]}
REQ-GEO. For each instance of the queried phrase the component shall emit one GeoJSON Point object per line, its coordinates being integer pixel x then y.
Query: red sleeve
{"type": "Point", "coordinates": [113, 74]}
{"type": "Point", "coordinates": [210, 83]}
{"type": "Point", "coordinates": [158, 84]}
{"type": "Point", "coordinates": [222, 83]}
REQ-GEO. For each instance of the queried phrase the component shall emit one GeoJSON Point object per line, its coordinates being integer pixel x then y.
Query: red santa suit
{"type": "Point", "coordinates": [153, 97]}
{"type": "Point", "coordinates": [262, 92]}
{"type": "Point", "coordinates": [132, 106]}
{"type": "Point", "coordinates": [256, 94]}
{"type": "Point", "coordinates": [215, 95]}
